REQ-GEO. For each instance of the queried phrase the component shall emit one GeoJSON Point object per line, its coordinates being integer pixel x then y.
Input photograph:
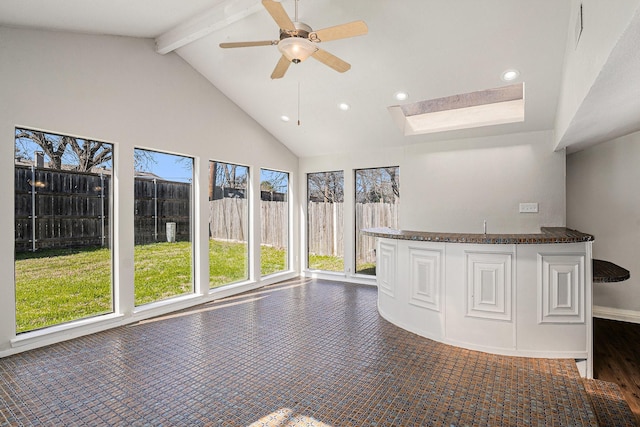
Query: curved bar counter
{"type": "Point", "coordinates": [511, 294]}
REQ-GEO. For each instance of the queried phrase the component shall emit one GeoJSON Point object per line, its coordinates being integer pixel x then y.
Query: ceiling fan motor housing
{"type": "Point", "coordinates": [302, 30]}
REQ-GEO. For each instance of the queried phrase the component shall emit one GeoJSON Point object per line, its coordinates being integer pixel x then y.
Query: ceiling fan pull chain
{"type": "Point", "coordinates": [298, 95]}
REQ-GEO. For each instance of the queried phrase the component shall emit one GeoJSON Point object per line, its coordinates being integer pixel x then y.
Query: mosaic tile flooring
{"type": "Point", "coordinates": [299, 353]}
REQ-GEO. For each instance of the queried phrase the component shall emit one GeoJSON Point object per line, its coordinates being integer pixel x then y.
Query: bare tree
{"type": "Point", "coordinates": [53, 146]}
{"type": "Point", "coordinates": [276, 182]}
{"type": "Point", "coordinates": [377, 185]}
{"type": "Point", "coordinates": [393, 180]}
{"type": "Point", "coordinates": [229, 175]}
{"type": "Point", "coordinates": [76, 153]}
{"type": "Point", "coordinates": [143, 159]}
{"type": "Point", "coordinates": [326, 187]}
{"type": "Point", "coordinates": [267, 186]}
{"type": "Point", "coordinates": [226, 175]}
{"type": "Point", "coordinates": [89, 153]}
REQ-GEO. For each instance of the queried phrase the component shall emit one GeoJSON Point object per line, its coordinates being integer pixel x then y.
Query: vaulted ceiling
{"type": "Point", "coordinates": [427, 48]}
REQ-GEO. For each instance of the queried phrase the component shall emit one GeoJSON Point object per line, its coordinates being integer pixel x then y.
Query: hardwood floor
{"type": "Point", "coordinates": [617, 358]}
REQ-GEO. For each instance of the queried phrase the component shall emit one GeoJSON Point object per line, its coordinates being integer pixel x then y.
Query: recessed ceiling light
{"type": "Point", "coordinates": [401, 96]}
{"type": "Point", "coordinates": [510, 75]}
{"type": "Point", "coordinates": [344, 106]}
{"type": "Point", "coordinates": [284, 118]}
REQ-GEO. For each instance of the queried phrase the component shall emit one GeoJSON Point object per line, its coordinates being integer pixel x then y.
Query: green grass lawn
{"type": "Point", "coordinates": [368, 268]}
{"type": "Point", "coordinates": [61, 285]}
{"type": "Point", "coordinates": [326, 263]}
{"type": "Point", "coordinates": [56, 286]}
{"type": "Point", "coordinates": [228, 263]}
{"type": "Point", "coordinates": [162, 271]}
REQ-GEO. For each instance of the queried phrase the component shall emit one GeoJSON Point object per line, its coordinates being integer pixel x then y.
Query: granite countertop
{"type": "Point", "coordinates": [608, 272]}
{"type": "Point", "coordinates": [546, 235]}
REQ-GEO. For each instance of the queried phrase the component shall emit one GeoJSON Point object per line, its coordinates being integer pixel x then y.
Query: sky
{"type": "Point", "coordinates": [170, 167]}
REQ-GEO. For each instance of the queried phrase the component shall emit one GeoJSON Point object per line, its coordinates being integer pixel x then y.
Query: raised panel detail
{"type": "Point", "coordinates": [489, 285]}
{"type": "Point", "coordinates": [386, 268]}
{"type": "Point", "coordinates": [425, 277]}
{"type": "Point", "coordinates": [561, 288]}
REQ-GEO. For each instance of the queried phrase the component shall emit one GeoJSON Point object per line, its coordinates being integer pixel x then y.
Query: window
{"type": "Point", "coordinates": [377, 200]}
{"type": "Point", "coordinates": [274, 215]}
{"type": "Point", "coordinates": [163, 253]}
{"type": "Point", "coordinates": [62, 229]}
{"type": "Point", "coordinates": [228, 223]}
{"type": "Point", "coordinates": [325, 207]}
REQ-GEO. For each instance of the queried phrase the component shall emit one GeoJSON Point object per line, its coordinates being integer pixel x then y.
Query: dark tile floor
{"type": "Point", "coordinates": [303, 353]}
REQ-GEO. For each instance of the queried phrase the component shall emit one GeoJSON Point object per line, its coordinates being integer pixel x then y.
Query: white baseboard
{"type": "Point", "coordinates": [616, 314]}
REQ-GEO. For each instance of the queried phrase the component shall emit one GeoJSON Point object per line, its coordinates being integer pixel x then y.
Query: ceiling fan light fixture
{"type": "Point", "coordinates": [296, 49]}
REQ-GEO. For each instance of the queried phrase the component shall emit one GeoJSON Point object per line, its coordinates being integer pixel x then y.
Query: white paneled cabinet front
{"type": "Point", "coordinates": [479, 292]}
{"type": "Point", "coordinates": [489, 284]}
{"type": "Point", "coordinates": [386, 265]}
{"type": "Point", "coordinates": [513, 299]}
{"type": "Point", "coordinates": [425, 277]}
{"type": "Point", "coordinates": [417, 303]}
{"type": "Point", "coordinates": [560, 298]}
{"type": "Point", "coordinates": [553, 312]}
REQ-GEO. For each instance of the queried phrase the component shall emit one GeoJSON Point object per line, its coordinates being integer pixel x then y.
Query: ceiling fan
{"type": "Point", "coordinates": [298, 41]}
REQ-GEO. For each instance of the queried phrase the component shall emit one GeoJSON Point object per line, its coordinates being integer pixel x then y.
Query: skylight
{"type": "Point", "coordinates": [468, 110]}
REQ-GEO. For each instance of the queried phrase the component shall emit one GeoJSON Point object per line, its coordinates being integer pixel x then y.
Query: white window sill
{"type": "Point", "coordinates": [55, 332]}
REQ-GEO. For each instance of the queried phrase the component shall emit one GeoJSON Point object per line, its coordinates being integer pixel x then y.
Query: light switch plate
{"type": "Point", "coordinates": [528, 208]}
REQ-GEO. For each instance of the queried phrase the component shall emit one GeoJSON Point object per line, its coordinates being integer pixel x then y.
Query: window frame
{"type": "Point", "coordinates": [247, 218]}
{"type": "Point", "coordinates": [191, 210]}
{"type": "Point", "coordinates": [307, 227]}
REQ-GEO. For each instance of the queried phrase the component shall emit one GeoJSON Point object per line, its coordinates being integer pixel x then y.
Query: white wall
{"type": "Point", "coordinates": [602, 199]}
{"type": "Point", "coordinates": [455, 185]}
{"type": "Point", "coordinates": [603, 24]}
{"type": "Point", "coordinates": [118, 90]}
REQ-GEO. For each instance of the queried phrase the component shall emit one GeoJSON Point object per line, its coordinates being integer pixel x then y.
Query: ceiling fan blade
{"type": "Point", "coordinates": [331, 61]}
{"type": "Point", "coordinates": [352, 29]}
{"type": "Point", "coordinates": [248, 44]}
{"type": "Point", "coordinates": [279, 15]}
{"type": "Point", "coordinates": [281, 68]}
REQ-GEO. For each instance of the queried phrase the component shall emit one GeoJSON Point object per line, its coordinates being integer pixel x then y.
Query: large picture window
{"type": "Point", "coordinates": [63, 259]}
{"type": "Point", "coordinates": [163, 253]}
{"type": "Point", "coordinates": [325, 207]}
{"type": "Point", "coordinates": [377, 200]}
{"type": "Point", "coordinates": [228, 223]}
{"type": "Point", "coordinates": [274, 219]}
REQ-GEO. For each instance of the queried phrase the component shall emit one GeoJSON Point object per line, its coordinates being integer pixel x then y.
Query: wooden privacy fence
{"type": "Point", "coordinates": [325, 232]}
{"type": "Point", "coordinates": [61, 209]}
{"type": "Point", "coordinates": [326, 227]}
{"type": "Point", "coordinates": [369, 215]}
{"type": "Point", "coordinates": [157, 203]}
{"type": "Point", "coordinates": [274, 230]}
{"type": "Point", "coordinates": [228, 219]}
{"type": "Point", "coordinates": [325, 224]}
